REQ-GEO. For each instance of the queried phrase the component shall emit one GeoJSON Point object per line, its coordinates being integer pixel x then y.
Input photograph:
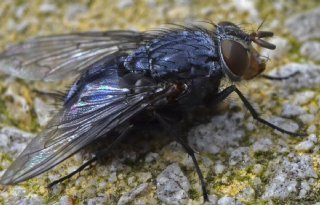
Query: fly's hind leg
{"type": "Point", "coordinates": [97, 156]}
{"type": "Point", "coordinates": [174, 132]}
{"type": "Point", "coordinates": [73, 173]}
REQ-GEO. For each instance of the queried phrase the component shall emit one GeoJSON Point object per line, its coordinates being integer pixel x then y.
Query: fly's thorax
{"type": "Point", "coordinates": [175, 54]}
{"type": "Point", "coordinates": [239, 59]}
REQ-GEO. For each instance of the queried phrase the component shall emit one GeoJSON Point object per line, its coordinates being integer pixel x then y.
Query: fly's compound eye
{"type": "Point", "coordinates": [235, 57]}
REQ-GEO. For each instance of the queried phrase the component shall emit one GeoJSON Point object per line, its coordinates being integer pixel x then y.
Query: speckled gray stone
{"type": "Point", "coordinates": [172, 186]}
{"type": "Point", "coordinates": [247, 194]}
{"type": "Point", "coordinates": [285, 124]}
{"type": "Point", "coordinates": [282, 146]}
{"type": "Point", "coordinates": [212, 199]}
{"type": "Point", "coordinates": [74, 10]}
{"type": "Point", "coordinates": [308, 144]}
{"type": "Point", "coordinates": [311, 50]}
{"type": "Point", "coordinates": [44, 111]}
{"type": "Point", "coordinates": [287, 177]}
{"type": "Point", "coordinates": [308, 77]}
{"type": "Point", "coordinates": [240, 156]}
{"type": "Point", "coordinates": [183, 2]}
{"type": "Point", "coordinates": [47, 8]}
{"type": "Point", "coordinates": [304, 146]}
{"type": "Point", "coordinates": [32, 200]}
{"type": "Point", "coordinates": [247, 6]}
{"type": "Point", "coordinates": [305, 26]}
{"type": "Point", "coordinates": [307, 118]}
{"type": "Point", "coordinates": [228, 201]}
{"type": "Point", "coordinates": [303, 97]}
{"type": "Point", "coordinates": [262, 145]}
{"type": "Point", "coordinates": [219, 168]}
{"type": "Point", "coordinates": [98, 201]}
{"type": "Point", "coordinates": [130, 196]}
{"type": "Point", "coordinates": [282, 50]}
{"type": "Point", "coordinates": [289, 110]}
{"type": "Point", "coordinates": [222, 132]}
{"type": "Point", "coordinates": [151, 157]}
{"type": "Point", "coordinates": [65, 200]}
{"type": "Point", "coordinates": [22, 27]}
{"type": "Point", "coordinates": [257, 169]}
{"type": "Point", "coordinates": [123, 4]}
{"type": "Point", "coordinates": [20, 102]}
{"type": "Point", "coordinates": [13, 140]}
{"type": "Point", "coordinates": [20, 11]}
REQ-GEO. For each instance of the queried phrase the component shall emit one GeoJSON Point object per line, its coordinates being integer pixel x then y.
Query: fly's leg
{"type": "Point", "coordinates": [73, 173]}
{"type": "Point", "coordinates": [189, 150]}
{"type": "Point", "coordinates": [227, 91]}
{"type": "Point", "coordinates": [98, 155]}
{"type": "Point", "coordinates": [191, 153]}
{"type": "Point", "coordinates": [281, 77]}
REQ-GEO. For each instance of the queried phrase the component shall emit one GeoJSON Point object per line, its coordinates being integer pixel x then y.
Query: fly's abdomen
{"type": "Point", "coordinates": [189, 53]}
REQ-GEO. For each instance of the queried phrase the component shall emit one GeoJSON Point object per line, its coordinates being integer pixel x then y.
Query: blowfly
{"type": "Point", "coordinates": [123, 74]}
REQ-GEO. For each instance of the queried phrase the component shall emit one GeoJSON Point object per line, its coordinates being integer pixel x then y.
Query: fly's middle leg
{"type": "Point", "coordinates": [174, 132]}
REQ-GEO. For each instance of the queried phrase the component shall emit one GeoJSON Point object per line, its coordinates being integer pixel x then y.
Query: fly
{"type": "Point", "coordinates": [123, 74]}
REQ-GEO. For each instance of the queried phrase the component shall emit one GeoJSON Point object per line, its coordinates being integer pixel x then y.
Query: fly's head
{"type": "Point", "coordinates": [240, 60]}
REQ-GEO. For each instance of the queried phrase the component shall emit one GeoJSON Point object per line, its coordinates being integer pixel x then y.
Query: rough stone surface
{"type": "Point", "coordinates": [305, 26]}
{"type": "Point", "coordinates": [47, 8]}
{"type": "Point", "coordinates": [13, 140]}
{"type": "Point", "coordinates": [228, 201]}
{"type": "Point", "coordinates": [263, 145]}
{"type": "Point", "coordinates": [282, 50]}
{"type": "Point", "coordinates": [151, 157]}
{"type": "Point", "coordinates": [247, 194]}
{"type": "Point", "coordinates": [284, 124]}
{"type": "Point", "coordinates": [240, 156]}
{"type": "Point", "coordinates": [130, 196]}
{"type": "Point", "coordinates": [219, 168]}
{"type": "Point", "coordinates": [239, 163]}
{"type": "Point", "coordinates": [290, 110]}
{"type": "Point", "coordinates": [97, 201]}
{"type": "Point", "coordinates": [44, 111]}
{"type": "Point", "coordinates": [173, 185]}
{"type": "Point", "coordinates": [65, 200]}
{"type": "Point", "coordinates": [74, 10]}
{"type": "Point", "coordinates": [308, 77]}
{"type": "Point", "coordinates": [303, 97]}
{"type": "Point", "coordinates": [311, 50]}
{"type": "Point", "coordinates": [288, 175]}
{"type": "Point", "coordinates": [222, 132]}
{"type": "Point", "coordinates": [308, 144]}
{"type": "Point", "coordinates": [123, 4]}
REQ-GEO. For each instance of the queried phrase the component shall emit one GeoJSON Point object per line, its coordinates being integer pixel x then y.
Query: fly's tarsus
{"type": "Point", "coordinates": [280, 77]}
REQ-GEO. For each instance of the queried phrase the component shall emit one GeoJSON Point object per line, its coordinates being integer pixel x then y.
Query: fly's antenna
{"type": "Point", "coordinates": [257, 36]}
{"type": "Point", "coordinates": [261, 24]}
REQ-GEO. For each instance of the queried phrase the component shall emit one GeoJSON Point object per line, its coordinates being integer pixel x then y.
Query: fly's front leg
{"type": "Point", "coordinates": [227, 91]}
{"type": "Point", "coordinates": [281, 77]}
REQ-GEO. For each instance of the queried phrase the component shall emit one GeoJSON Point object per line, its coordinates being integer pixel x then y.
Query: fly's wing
{"type": "Point", "coordinates": [55, 57]}
{"type": "Point", "coordinates": [100, 107]}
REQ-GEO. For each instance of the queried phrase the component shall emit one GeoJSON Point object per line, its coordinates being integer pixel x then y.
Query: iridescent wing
{"type": "Point", "coordinates": [55, 57]}
{"type": "Point", "coordinates": [97, 109]}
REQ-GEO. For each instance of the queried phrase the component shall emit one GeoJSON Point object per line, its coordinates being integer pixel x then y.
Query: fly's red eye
{"type": "Point", "coordinates": [235, 56]}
